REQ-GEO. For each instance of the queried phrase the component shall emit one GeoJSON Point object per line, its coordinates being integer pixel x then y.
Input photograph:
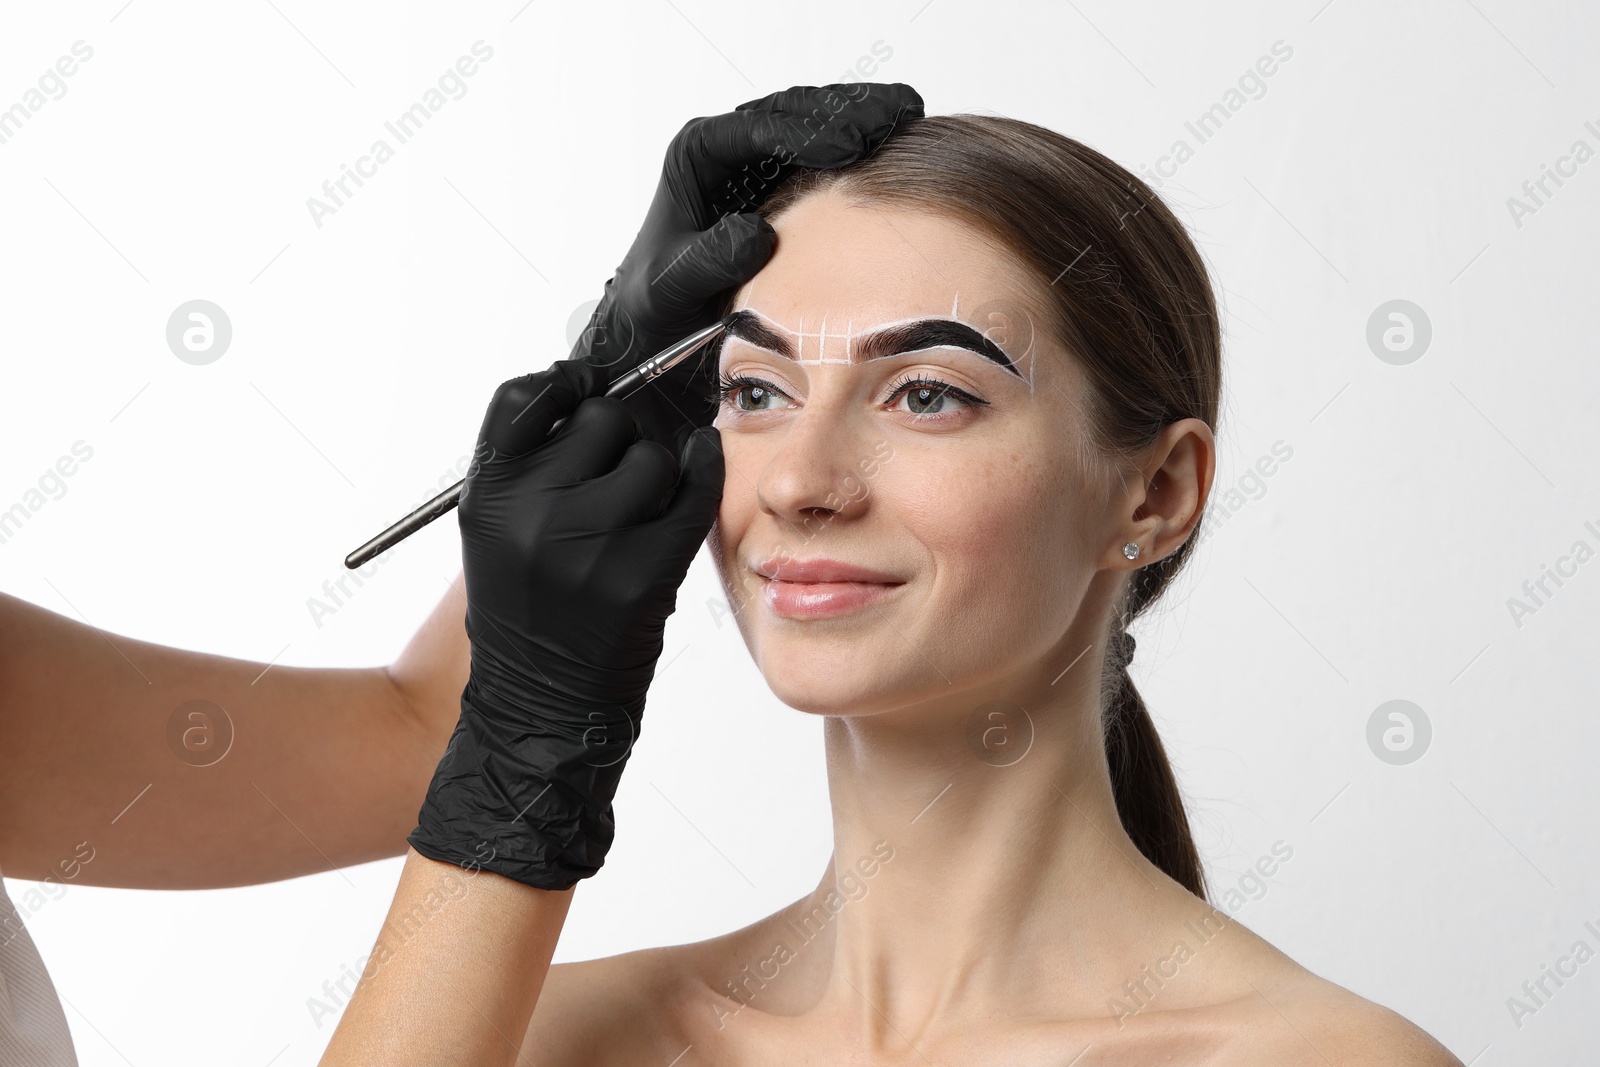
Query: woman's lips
{"type": "Point", "coordinates": [814, 600]}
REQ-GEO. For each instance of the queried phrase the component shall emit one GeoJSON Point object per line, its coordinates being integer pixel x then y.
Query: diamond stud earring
{"type": "Point", "coordinates": [1131, 550]}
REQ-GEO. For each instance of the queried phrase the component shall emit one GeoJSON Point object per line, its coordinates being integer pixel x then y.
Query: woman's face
{"type": "Point", "coordinates": [973, 500]}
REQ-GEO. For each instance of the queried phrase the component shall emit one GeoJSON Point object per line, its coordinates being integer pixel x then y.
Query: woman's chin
{"type": "Point", "coordinates": [816, 688]}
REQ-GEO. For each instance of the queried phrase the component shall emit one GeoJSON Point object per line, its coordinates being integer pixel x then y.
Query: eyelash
{"type": "Point", "coordinates": [729, 384]}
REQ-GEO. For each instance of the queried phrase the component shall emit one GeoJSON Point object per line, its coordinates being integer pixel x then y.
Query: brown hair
{"type": "Point", "coordinates": [1130, 297]}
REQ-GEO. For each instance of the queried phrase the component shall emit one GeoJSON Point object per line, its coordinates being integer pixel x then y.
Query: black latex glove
{"type": "Point", "coordinates": [703, 238]}
{"type": "Point", "coordinates": [573, 548]}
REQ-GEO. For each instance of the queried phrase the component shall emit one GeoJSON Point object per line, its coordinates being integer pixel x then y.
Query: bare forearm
{"type": "Point", "coordinates": [456, 970]}
{"type": "Point", "coordinates": [186, 770]}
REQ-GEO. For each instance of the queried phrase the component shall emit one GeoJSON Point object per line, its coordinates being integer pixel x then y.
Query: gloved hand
{"type": "Point", "coordinates": [691, 251]}
{"type": "Point", "coordinates": [573, 548]}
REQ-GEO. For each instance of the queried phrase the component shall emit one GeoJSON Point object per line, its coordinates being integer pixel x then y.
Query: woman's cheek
{"type": "Point", "coordinates": [1001, 518]}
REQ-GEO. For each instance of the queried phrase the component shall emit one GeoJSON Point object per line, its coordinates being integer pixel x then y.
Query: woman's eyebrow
{"type": "Point", "coordinates": [895, 340]}
{"type": "Point", "coordinates": [748, 327]}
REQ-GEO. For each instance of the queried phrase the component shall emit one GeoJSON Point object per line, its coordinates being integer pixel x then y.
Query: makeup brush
{"type": "Point", "coordinates": [641, 375]}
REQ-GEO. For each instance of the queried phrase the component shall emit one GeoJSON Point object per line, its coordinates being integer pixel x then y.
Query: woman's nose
{"type": "Point", "coordinates": [819, 467]}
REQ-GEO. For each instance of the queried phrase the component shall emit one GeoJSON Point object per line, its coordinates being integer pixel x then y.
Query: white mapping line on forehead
{"type": "Point", "coordinates": [916, 333]}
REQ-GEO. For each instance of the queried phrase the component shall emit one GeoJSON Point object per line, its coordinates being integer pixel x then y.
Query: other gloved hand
{"type": "Point", "coordinates": [573, 548]}
{"type": "Point", "coordinates": [703, 237]}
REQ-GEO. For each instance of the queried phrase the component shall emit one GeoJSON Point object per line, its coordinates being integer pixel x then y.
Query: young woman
{"type": "Point", "coordinates": [966, 415]}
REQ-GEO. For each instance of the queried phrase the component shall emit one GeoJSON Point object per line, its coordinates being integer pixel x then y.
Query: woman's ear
{"type": "Point", "coordinates": [1174, 483]}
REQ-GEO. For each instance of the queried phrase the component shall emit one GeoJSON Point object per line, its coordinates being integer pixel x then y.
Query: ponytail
{"type": "Point", "coordinates": [1148, 801]}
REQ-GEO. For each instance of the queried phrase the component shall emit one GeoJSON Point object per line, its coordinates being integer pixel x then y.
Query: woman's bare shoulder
{"type": "Point", "coordinates": [623, 1009]}
{"type": "Point", "coordinates": [1314, 1021]}
{"type": "Point", "coordinates": [600, 1011]}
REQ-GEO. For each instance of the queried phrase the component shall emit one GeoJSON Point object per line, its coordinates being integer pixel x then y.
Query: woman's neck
{"type": "Point", "coordinates": [979, 864]}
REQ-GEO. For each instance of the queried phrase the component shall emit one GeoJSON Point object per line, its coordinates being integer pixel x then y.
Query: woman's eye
{"type": "Point", "coordinates": [759, 392]}
{"type": "Point", "coordinates": [929, 398]}
{"type": "Point", "coordinates": [926, 398]}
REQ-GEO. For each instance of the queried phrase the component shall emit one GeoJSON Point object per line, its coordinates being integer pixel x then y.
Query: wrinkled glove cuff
{"type": "Point", "coordinates": [526, 794]}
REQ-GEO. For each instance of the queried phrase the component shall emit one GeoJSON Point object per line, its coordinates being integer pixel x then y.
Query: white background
{"type": "Point", "coordinates": [1375, 564]}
